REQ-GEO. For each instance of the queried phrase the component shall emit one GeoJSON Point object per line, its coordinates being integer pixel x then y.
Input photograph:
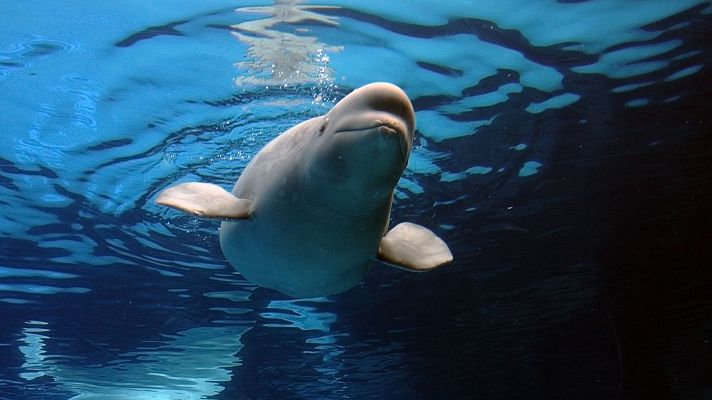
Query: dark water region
{"type": "Point", "coordinates": [581, 231]}
{"type": "Point", "coordinates": [610, 269]}
{"type": "Point", "coordinates": [658, 236]}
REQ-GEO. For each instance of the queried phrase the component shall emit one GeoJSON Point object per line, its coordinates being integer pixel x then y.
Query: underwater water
{"type": "Point", "coordinates": [563, 151]}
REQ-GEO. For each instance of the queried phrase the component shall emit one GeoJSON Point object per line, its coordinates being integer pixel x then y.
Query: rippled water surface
{"type": "Point", "coordinates": [562, 150]}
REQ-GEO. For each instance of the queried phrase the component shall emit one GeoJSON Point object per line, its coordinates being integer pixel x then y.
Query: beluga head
{"type": "Point", "coordinates": [362, 147]}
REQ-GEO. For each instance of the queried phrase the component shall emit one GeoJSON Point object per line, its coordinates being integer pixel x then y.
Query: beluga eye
{"type": "Point", "coordinates": [322, 128]}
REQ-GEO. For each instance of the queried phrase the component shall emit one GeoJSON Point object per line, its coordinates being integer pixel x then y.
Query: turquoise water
{"type": "Point", "coordinates": [562, 150]}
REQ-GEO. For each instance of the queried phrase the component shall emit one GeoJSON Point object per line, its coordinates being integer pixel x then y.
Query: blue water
{"type": "Point", "coordinates": [563, 151]}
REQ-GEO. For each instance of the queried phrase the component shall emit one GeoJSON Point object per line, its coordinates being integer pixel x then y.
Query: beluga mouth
{"type": "Point", "coordinates": [390, 126]}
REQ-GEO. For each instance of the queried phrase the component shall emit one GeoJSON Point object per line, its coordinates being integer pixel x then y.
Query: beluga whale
{"type": "Point", "coordinates": [311, 211]}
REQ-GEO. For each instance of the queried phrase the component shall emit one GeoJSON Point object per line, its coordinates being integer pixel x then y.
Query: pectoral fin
{"type": "Point", "coordinates": [204, 200]}
{"type": "Point", "coordinates": [413, 247]}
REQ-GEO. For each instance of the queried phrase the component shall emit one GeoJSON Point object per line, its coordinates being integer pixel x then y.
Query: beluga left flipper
{"type": "Point", "coordinates": [414, 248]}
{"type": "Point", "coordinates": [309, 212]}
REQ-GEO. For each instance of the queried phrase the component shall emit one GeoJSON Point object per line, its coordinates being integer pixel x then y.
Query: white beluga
{"type": "Point", "coordinates": [312, 208]}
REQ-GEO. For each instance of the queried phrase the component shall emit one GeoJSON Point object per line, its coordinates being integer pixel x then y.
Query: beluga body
{"type": "Point", "coordinates": [311, 210]}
